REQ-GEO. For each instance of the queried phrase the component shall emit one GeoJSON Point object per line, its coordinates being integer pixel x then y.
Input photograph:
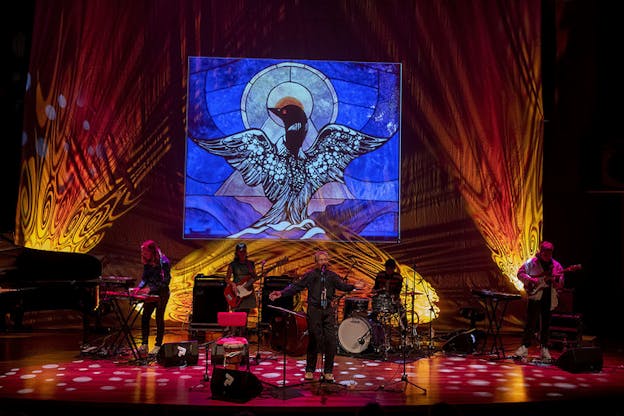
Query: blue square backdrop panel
{"type": "Point", "coordinates": [292, 149]}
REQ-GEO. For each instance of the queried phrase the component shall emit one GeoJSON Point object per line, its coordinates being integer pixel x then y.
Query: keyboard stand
{"type": "Point", "coordinates": [495, 304]}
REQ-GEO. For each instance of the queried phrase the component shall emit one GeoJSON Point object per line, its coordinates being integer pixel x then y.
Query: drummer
{"type": "Point", "coordinates": [390, 282]}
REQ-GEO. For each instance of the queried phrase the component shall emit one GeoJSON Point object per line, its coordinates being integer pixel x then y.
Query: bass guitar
{"type": "Point", "coordinates": [244, 288]}
{"type": "Point", "coordinates": [545, 280]}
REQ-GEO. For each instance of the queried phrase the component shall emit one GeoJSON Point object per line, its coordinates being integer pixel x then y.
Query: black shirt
{"type": "Point", "coordinates": [312, 280]}
{"type": "Point", "coordinates": [389, 282]}
{"type": "Point", "coordinates": [156, 276]}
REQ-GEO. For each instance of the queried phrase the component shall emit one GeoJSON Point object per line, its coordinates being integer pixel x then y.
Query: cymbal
{"type": "Point", "coordinates": [414, 293]}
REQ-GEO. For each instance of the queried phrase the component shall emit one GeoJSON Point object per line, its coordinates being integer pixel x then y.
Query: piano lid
{"type": "Point", "coordinates": [32, 265]}
{"type": "Point", "coordinates": [48, 280]}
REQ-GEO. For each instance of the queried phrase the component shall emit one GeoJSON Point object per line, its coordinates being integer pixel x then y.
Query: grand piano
{"type": "Point", "coordinates": [39, 280]}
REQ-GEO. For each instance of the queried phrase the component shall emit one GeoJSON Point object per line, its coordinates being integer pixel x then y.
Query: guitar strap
{"type": "Point", "coordinates": [250, 268]}
{"type": "Point", "coordinates": [547, 266]}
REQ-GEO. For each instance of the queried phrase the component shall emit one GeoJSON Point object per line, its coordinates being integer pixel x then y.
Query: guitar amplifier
{"type": "Point", "coordinates": [208, 300]}
{"type": "Point", "coordinates": [566, 301]}
{"type": "Point", "coordinates": [270, 284]}
{"type": "Point", "coordinates": [181, 353]}
{"type": "Point", "coordinates": [566, 330]}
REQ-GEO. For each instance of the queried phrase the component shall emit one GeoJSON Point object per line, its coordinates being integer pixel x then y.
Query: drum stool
{"type": "Point", "coordinates": [234, 350]}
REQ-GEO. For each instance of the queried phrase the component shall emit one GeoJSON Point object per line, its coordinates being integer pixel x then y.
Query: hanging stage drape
{"type": "Point", "coordinates": [105, 132]}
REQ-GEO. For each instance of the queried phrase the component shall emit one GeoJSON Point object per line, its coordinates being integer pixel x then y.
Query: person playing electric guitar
{"type": "Point", "coordinates": [241, 271]}
{"type": "Point", "coordinates": [542, 276]}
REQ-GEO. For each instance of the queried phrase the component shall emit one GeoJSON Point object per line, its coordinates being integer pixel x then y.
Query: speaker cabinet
{"type": "Point", "coordinates": [272, 283]}
{"type": "Point", "coordinates": [464, 343]}
{"type": "Point", "coordinates": [581, 360]}
{"type": "Point", "coordinates": [208, 300]}
{"type": "Point", "coordinates": [234, 385]}
{"type": "Point", "coordinates": [566, 301]}
{"type": "Point", "coordinates": [179, 354]}
{"type": "Point", "coordinates": [566, 330]}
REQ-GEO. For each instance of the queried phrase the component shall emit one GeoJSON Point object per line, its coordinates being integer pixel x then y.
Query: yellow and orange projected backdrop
{"type": "Point", "coordinates": [108, 111]}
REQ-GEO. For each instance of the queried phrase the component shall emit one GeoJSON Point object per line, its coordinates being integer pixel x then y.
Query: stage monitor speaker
{"type": "Point", "coordinates": [208, 299]}
{"type": "Point", "coordinates": [179, 354]}
{"type": "Point", "coordinates": [463, 343]}
{"type": "Point", "coordinates": [234, 385]}
{"type": "Point", "coordinates": [272, 283]}
{"type": "Point", "coordinates": [581, 360]}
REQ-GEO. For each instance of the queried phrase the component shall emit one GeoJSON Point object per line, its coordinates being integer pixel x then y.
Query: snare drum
{"type": "Point", "coordinates": [355, 307]}
{"type": "Point", "coordinates": [357, 334]}
{"type": "Point", "coordinates": [383, 302]}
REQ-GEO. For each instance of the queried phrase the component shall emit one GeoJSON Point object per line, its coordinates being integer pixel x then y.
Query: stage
{"type": "Point", "coordinates": [44, 371]}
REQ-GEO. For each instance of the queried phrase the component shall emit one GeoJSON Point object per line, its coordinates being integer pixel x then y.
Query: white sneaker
{"type": "Point", "coordinates": [155, 350]}
{"type": "Point", "coordinates": [545, 354]}
{"type": "Point", "coordinates": [522, 352]}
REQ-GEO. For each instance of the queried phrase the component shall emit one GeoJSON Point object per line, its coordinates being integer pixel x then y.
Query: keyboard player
{"type": "Point", "coordinates": [154, 281]}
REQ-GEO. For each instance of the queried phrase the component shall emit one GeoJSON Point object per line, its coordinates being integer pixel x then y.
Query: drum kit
{"type": "Point", "coordinates": [380, 332]}
{"type": "Point", "coordinates": [376, 332]}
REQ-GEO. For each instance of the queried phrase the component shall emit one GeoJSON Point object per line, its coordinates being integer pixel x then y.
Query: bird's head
{"type": "Point", "coordinates": [289, 114]}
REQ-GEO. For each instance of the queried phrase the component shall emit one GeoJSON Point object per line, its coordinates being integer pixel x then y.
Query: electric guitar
{"type": "Point", "coordinates": [545, 280]}
{"type": "Point", "coordinates": [244, 288]}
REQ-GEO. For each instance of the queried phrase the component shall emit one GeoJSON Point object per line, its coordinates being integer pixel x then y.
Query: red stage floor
{"type": "Point", "coordinates": [44, 371]}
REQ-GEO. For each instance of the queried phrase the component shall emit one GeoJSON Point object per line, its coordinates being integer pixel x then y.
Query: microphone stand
{"type": "Point", "coordinates": [402, 314]}
{"type": "Point", "coordinates": [205, 377]}
{"type": "Point", "coordinates": [346, 276]}
{"type": "Point", "coordinates": [404, 378]}
{"type": "Point", "coordinates": [259, 305]}
{"type": "Point", "coordinates": [431, 312]}
{"type": "Point", "coordinates": [413, 333]}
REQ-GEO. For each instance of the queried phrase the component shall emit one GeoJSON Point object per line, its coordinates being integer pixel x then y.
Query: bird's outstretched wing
{"type": "Point", "coordinates": [254, 156]}
{"type": "Point", "coordinates": [335, 147]}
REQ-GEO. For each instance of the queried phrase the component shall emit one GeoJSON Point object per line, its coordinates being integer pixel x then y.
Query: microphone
{"type": "Point", "coordinates": [263, 262]}
{"type": "Point", "coordinates": [323, 268]}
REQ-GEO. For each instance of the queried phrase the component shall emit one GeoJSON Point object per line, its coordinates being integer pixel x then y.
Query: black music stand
{"type": "Point", "coordinates": [284, 391]}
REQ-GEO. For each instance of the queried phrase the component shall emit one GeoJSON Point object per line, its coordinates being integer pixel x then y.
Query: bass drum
{"type": "Point", "coordinates": [357, 334]}
{"type": "Point", "coordinates": [290, 332]}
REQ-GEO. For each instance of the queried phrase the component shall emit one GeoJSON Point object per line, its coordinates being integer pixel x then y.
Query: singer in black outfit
{"type": "Point", "coordinates": [321, 283]}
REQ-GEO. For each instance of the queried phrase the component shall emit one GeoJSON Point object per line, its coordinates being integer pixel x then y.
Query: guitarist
{"type": "Point", "coordinates": [542, 276]}
{"type": "Point", "coordinates": [242, 271]}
